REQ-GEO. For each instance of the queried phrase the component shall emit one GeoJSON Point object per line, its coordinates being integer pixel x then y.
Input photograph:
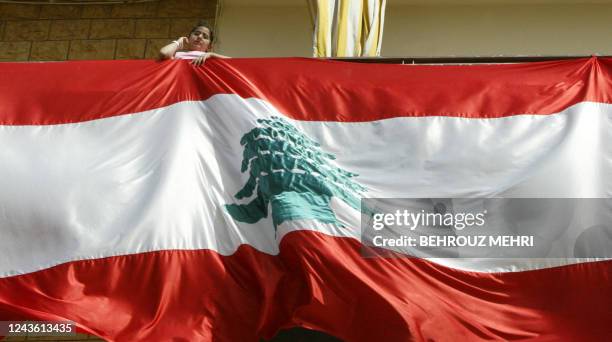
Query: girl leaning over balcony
{"type": "Point", "coordinates": [197, 46]}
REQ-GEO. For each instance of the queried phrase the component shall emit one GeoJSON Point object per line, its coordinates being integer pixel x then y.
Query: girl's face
{"type": "Point", "coordinates": [199, 39]}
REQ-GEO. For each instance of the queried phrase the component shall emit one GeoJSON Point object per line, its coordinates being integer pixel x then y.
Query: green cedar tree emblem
{"type": "Point", "coordinates": [290, 173]}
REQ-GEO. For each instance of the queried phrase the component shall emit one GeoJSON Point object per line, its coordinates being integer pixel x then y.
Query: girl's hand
{"type": "Point", "coordinates": [183, 43]}
{"type": "Point", "coordinates": [200, 60]}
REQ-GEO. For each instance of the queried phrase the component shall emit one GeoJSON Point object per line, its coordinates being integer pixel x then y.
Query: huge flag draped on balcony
{"type": "Point", "coordinates": [151, 201]}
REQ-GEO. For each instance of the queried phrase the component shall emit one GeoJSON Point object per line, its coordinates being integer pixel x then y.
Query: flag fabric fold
{"type": "Point", "coordinates": [158, 201]}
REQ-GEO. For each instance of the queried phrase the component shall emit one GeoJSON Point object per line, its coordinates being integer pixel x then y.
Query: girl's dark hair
{"type": "Point", "coordinates": [204, 23]}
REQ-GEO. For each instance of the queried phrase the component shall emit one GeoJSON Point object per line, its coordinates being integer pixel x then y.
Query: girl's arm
{"type": "Point", "coordinates": [169, 50]}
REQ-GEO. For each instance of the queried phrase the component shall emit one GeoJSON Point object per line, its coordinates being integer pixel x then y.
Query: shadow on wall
{"type": "Point", "coordinates": [302, 335]}
{"type": "Point", "coordinates": [289, 335]}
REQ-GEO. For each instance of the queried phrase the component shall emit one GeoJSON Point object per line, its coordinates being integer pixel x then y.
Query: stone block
{"type": "Point", "coordinates": [187, 8]}
{"type": "Point", "coordinates": [152, 28]}
{"type": "Point", "coordinates": [14, 51]}
{"type": "Point", "coordinates": [130, 48]}
{"type": "Point", "coordinates": [182, 27]}
{"type": "Point", "coordinates": [112, 28]}
{"type": "Point", "coordinates": [92, 49]}
{"type": "Point", "coordinates": [26, 30]}
{"type": "Point", "coordinates": [153, 46]}
{"type": "Point", "coordinates": [142, 10]}
{"type": "Point", "coordinates": [97, 11]}
{"type": "Point", "coordinates": [69, 29]}
{"type": "Point", "coordinates": [60, 11]}
{"type": "Point", "coordinates": [17, 11]}
{"type": "Point", "coordinates": [54, 50]}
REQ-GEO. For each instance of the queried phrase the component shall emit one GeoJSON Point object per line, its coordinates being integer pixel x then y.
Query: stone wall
{"type": "Point", "coordinates": [77, 32]}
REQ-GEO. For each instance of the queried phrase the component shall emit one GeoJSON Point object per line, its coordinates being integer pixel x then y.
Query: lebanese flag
{"type": "Point", "coordinates": [154, 201]}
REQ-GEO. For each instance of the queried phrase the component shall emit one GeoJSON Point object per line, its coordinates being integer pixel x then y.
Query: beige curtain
{"type": "Point", "coordinates": [348, 28]}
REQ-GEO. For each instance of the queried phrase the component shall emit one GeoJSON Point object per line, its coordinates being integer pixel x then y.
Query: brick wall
{"type": "Point", "coordinates": [72, 32]}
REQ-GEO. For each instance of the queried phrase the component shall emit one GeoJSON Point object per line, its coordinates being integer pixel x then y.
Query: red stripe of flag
{"type": "Point", "coordinates": [304, 89]}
